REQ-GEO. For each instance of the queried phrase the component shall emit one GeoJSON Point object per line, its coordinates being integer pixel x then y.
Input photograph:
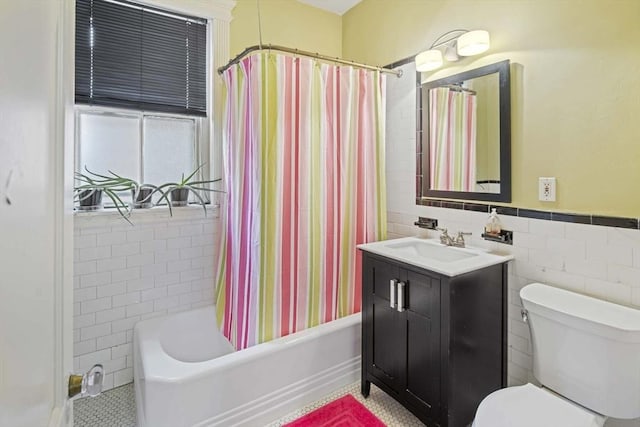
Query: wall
{"type": "Point", "coordinates": [124, 274]}
{"type": "Point", "coordinates": [600, 261]}
{"type": "Point", "coordinates": [574, 87]}
{"type": "Point", "coordinates": [286, 23]}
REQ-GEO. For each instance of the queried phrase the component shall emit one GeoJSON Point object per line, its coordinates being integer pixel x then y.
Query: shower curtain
{"type": "Point", "coordinates": [452, 140]}
{"type": "Point", "coordinates": [304, 166]}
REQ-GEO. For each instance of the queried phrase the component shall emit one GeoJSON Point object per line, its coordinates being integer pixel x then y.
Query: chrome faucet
{"type": "Point", "coordinates": [458, 241]}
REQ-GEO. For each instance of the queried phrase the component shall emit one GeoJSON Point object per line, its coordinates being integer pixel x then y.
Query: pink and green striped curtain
{"type": "Point", "coordinates": [304, 165]}
{"type": "Point", "coordinates": [452, 140]}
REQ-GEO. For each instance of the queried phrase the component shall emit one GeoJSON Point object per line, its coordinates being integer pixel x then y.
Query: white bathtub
{"type": "Point", "coordinates": [187, 374]}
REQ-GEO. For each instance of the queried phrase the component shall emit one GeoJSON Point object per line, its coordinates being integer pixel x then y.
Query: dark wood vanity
{"type": "Point", "coordinates": [436, 344]}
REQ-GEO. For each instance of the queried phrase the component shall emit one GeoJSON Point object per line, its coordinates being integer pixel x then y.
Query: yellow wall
{"type": "Point", "coordinates": [575, 85]}
{"type": "Point", "coordinates": [287, 23]}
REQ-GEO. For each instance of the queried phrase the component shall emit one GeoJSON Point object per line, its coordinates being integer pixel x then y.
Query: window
{"type": "Point", "coordinates": [141, 92]}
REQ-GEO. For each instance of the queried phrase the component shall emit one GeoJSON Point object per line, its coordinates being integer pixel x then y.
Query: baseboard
{"type": "Point", "coordinates": [285, 400]}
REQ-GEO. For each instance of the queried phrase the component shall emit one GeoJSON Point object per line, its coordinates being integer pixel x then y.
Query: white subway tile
{"type": "Point", "coordinates": [190, 253]}
{"type": "Point", "coordinates": [192, 274]}
{"type": "Point", "coordinates": [161, 233]}
{"type": "Point", "coordinates": [90, 254]}
{"type": "Point", "coordinates": [140, 259]}
{"type": "Point", "coordinates": [610, 253]}
{"type": "Point", "coordinates": [152, 294]}
{"type": "Point", "coordinates": [178, 289]}
{"type": "Point", "coordinates": [95, 331]}
{"type": "Point", "coordinates": [124, 324]}
{"type": "Point", "coordinates": [203, 240]}
{"type": "Point", "coordinates": [122, 350]}
{"type": "Point", "coordinates": [91, 306]}
{"type": "Point", "coordinates": [191, 230]}
{"type": "Point", "coordinates": [76, 336]}
{"type": "Point", "coordinates": [153, 246]}
{"type": "Point", "coordinates": [76, 309]}
{"type": "Point", "coordinates": [84, 241]}
{"type": "Point", "coordinates": [110, 315]}
{"type": "Point", "coordinates": [153, 270]}
{"type": "Point", "coordinates": [168, 255]}
{"type": "Point", "coordinates": [623, 274]}
{"type": "Point", "coordinates": [167, 279]}
{"type": "Point", "coordinates": [126, 299]}
{"type": "Point", "coordinates": [112, 289]}
{"type": "Point", "coordinates": [112, 340]}
{"type": "Point", "coordinates": [623, 237]}
{"type": "Point", "coordinates": [586, 233]}
{"type": "Point", "coordinates": [139, 284]}
{"type": "Point", "coordinates": [126, 249]}
{"type": "Point", "coordinates": [126, 274]}
{"type": "Point", "coordinates": [528, 240]}
{"type": "Point", "coordinates": [115, 365]}
{"type": "Point", "coordinates": [86, 361]}
{"type": "Point", "coordinates": [596, 269]}
{"type": "Point", "coordinates": [140, 235]}
{"type": "Point", "coordinates": [111, 238]}
{"type": "Point", "coordinates": [618, 293]}
{"type": "Point", "coordinates": [178, 266]}
{"type": "Point", "coordinates": [84, 294]}
{"type": "Point", "coordinates": [82, 268]}
{"type": "Point", "coordinates": [165, 303]}
{"type": "Point", "coordinates": [95, 279]}
{"type": "Point", "coordinates": [179, 242]}
{"type": "Point", "coordinates": [123, 376]}
{"type": "Point", "coordinates": [138, 309]}
{"type": "Point", "coordinates": [110, 264]}
{"type": "Point", "coordinates": [570, 249]}
{"type": "Point", "coordinates": [545, 258]}
{"type": "Point", "coordinates": [547, 228]}
{"type": "Point", "coordinates": [107, 382]}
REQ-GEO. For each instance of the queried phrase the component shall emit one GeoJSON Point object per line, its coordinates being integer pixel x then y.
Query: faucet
{"type": "Point", "coordinates": [458, 241]}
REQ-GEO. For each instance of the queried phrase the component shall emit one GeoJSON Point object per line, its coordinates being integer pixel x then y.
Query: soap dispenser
{"type": "Point", "coordinates": [493, 223]}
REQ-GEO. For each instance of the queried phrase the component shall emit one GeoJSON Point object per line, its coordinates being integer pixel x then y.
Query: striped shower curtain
{"type": "Point", "coordinates": [304, 166]}
{"type": "Point", "coordinates": [452, 140]}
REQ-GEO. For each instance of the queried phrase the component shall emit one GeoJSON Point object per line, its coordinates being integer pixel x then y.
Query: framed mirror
{"type": "Point", "coordinates": [464, 125]}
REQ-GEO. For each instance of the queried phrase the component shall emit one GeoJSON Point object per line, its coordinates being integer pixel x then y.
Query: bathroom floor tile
{"type": "Point", "coordinates": [117, 408]}
{"type": "Point", "coordinates": [383, 406]}
{"type": "Point", "coordinates": [113, 408]}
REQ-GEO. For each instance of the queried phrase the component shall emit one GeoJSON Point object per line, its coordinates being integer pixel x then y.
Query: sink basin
{"type": "Point", "coordinates": [439, 253]}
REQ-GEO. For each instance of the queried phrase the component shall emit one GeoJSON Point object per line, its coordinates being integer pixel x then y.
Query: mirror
{"type": "Point", "coordinates": [465, 131]}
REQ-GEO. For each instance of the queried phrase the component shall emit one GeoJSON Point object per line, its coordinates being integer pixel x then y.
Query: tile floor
{"type": "Point", "coordinates": [116, 408]}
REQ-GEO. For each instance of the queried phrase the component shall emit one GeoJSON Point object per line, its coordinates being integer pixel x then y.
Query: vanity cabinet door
{"type": "Point", "coordinates": [385, 340]}
{"type": "Point", "coordinates": [422, 322]}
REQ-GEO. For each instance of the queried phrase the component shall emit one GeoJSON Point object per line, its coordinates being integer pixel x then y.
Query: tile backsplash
{"type": "Point", "coordinates": [124, 274]}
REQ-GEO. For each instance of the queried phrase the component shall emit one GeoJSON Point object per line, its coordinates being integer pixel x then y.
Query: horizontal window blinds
{"type": "Point", "coordinates": [138, 57]}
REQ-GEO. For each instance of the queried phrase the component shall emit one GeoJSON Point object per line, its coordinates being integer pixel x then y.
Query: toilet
{"type": "Point", "coordinates": [586, 356]}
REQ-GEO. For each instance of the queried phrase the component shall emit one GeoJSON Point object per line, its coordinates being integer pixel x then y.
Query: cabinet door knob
{"type": "Point", "coordinates": [401, 286]}
{"type": "Point", "coordinates": [392, 293]}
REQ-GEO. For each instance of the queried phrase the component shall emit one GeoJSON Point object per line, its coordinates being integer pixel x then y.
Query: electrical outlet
{"type": "Point", "coordinates": [547, 189]}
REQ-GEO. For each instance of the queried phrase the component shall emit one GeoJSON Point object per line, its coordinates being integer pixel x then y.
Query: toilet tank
{"type": "Point", "coordinates": [585, 349]}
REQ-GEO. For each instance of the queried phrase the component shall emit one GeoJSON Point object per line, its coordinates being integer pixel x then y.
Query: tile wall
{"type": "Point", "coordinates": [597, 260]}
{"type": "Point", "coordinates": [124, 274]}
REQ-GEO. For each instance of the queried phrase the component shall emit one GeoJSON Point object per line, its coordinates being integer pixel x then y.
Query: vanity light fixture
{"type": "Point", "coordinates": [454, 43]}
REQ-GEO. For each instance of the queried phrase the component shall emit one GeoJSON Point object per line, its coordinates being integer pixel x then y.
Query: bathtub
{"type": "Point", "coordinates": [187, 374]}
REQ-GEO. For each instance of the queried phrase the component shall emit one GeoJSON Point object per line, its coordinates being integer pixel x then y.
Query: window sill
{"type": "Point", "coordinates": [110, 216]}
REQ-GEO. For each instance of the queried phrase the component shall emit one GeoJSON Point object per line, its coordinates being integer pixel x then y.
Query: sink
{"type": "Point", "coordinates": [439, 253]}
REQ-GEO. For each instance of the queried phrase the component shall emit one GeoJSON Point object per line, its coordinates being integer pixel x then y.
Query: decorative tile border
{"type": "Point", "coordinates": [608, 221]}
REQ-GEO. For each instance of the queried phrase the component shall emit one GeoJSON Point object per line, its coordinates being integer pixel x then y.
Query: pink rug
{"type": "Point", "coordinates": [343, 412]}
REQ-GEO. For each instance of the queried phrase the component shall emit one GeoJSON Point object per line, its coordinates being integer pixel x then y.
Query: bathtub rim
{"type": "Point", "coordinates": [158, 366]}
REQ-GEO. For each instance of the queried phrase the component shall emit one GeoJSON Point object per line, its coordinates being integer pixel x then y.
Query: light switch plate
{"type": "Point", "coordinates": [547, 189]}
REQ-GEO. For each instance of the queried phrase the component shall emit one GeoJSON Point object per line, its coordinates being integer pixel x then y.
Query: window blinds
{"type": "Point", "coordinates": [134, 56]}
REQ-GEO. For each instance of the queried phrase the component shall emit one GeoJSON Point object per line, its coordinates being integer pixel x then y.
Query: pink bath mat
{"type": "Point", "coordinates": [343, 412]}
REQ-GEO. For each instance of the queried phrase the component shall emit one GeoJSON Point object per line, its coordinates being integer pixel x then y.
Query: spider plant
{"type": "Point", "coordinates": [91, 182]}
{"type": "Point", "coordinates": [172, 188]}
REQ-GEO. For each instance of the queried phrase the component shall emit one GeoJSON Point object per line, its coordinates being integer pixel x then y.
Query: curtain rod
{"type": "Point", "coordinates": [251, 49]}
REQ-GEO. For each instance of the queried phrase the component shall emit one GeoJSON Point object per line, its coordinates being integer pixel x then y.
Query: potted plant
{"type": "Point", "coordinates": [92, 186]}
{"type": "Point", "coordinates": [177, 193]}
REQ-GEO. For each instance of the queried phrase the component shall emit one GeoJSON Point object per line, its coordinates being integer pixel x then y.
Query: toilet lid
{"type": "Point", "coordinates": [531, 406]}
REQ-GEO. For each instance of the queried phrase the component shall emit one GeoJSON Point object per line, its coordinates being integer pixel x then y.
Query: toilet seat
{"type": "Point", "coordinates": [531, 406]}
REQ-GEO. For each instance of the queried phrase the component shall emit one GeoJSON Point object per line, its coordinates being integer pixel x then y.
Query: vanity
{"type": "Point", "coordinates": [434, 326]}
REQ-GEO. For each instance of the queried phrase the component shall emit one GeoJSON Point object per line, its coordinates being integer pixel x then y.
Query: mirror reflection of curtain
{"type": "Point", "coordinates": [452, 136]}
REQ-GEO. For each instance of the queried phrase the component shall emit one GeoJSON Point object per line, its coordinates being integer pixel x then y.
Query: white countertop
{"type": "Point", "coordinates": [404, 250]}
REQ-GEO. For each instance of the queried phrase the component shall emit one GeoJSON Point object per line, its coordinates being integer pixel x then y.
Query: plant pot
{"type": "Point", "coordinates": [90, 200]}
{"type": "Point", "coordinates": [179, 197]}
{"type": "Point", "coordinates": [142, 199]}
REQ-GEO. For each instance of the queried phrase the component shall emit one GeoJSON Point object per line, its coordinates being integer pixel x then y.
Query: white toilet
{"type": "Point", "coordinates": [586, 355]}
